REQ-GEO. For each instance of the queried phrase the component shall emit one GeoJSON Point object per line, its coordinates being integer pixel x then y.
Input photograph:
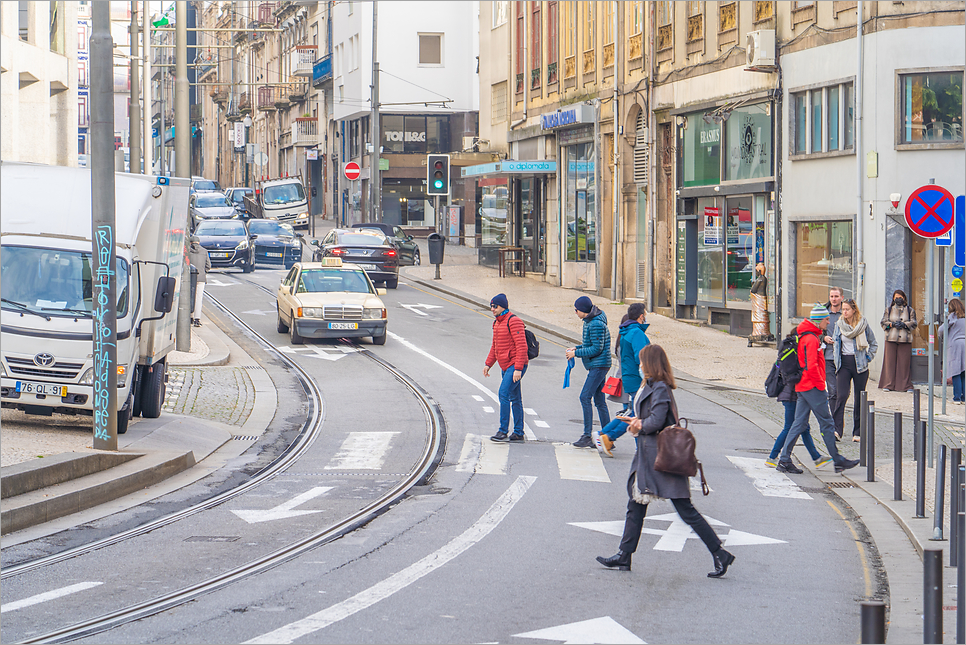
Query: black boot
{"type": "Point", "coordinates": [722, 560]}
{"type": "Point", "coordinates": [622, 561]}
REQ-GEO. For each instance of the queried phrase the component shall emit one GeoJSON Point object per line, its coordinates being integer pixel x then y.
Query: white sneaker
{"type": "Point", "coordinates": [595, 435]}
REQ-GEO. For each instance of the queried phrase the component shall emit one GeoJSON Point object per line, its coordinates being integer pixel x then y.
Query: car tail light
{"type": "Point", "coordinates": [391, 253]}
{"type": "Point", "coordinates": [338, 251]}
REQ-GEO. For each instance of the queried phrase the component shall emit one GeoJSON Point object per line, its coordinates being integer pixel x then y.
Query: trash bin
{"type": "Point", "coordinates": [437, 244]}
{"type": "Point", "coordinates": [194, 286]}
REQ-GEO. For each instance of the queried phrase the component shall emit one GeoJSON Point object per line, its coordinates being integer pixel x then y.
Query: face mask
{"type": "Point", "coordinates": [900, 302]}
{"type": "Point", "coordinates": [641, 372]}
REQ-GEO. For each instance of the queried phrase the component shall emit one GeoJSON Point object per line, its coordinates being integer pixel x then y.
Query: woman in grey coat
{"type": "Point", "coordinates": [956, 358]}
{"type": "Point", "coordinates": [655, 409]}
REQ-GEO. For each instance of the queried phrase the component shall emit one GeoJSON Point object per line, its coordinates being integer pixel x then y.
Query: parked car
{"type": "Point", "coordinates": [369, 249]}
{"type": "Point", "coordinates": [405, 244]}
{"type": "Point", "coordinates": [200, 185]}
{"type": "Point", "coordinates": [278, 243]}
{"type": "Point", "coordinates": [237, 196]}
{"type": "Point", "coordinates": [330, 299]}
{"type": "Point", "coordinates": [229, 244]}
{"type": "Point", "coordinates": [210, 206]}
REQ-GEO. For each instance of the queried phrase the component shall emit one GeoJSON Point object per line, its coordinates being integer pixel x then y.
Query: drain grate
{"type": "Point", "coordinates": [252, 367]}
{"type": "Point", "coordinates": [840, 485]}
{"type": "Point", "coordinates": [212, 538]}
{"type": "Point", "coordinates": [238, 437]}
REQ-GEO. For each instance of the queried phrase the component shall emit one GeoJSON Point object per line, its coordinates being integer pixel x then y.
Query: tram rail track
{"type": "Point", "coordinates": [423, 469]}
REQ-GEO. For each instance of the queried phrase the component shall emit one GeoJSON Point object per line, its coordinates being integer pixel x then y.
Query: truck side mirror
{"type": "Point", "coordinates": [164, 297]}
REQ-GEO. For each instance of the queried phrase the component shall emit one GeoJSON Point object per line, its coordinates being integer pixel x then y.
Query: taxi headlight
{"type": "Point", "coordinates": [311, 312]}
{"type": "Point", "coordinates": [88, 378]}
{"type": "Point", "coordinates": [375, 313]}
{"type": "Point", "coordinates": [242, 245]}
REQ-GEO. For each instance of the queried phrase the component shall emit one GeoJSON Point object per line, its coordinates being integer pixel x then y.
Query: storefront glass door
{"type": "Point", "coordinates": [740, 241]}
{"type": "Point", "coordinates": [532, 224]}
{"type": "Point", "coordinates": [710, 252]}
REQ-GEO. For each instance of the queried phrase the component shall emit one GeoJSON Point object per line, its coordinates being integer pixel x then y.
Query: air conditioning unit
{"type": "Point", "coordinates": [760, 49]}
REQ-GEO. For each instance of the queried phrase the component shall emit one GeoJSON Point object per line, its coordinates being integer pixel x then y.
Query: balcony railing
{"type": "Point", "coordinates": [266, 98]}
{"type": "Point", "coordinates": [305, 131]}
{"type": "Point", "coordinates": [266, 13]}
{"type": "Point", "coordinates": [305, 56]}
{"type": "Point", "coordinates": [219, 94]}
{"type": "Point", "coordinates": [282, 95]}
{"type": "Point", "coordinates": [322, 71]}
{"type": "Point", "coordinates": [244, 103]}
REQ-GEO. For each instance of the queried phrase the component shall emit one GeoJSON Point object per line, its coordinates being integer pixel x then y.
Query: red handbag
{"type": "Point", "coordinates": [613, 386]}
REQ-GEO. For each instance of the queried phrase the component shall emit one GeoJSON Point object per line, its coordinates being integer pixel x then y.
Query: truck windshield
{"type": "Point", "coordinates": [284, 194]}
{"type": "Point", "coordinates": [53, 282]}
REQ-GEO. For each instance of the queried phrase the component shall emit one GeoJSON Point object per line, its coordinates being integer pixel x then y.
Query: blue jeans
{"type": "Point", "coordinates": [591, 393]}
{"type": "Point", "coordinates": [814, 402]}
{"type": "Point", "coordinates": [806, 436]}
{"type": "Point", "coordinates": [614, 429]}
{"type": "Point", "coordinates": [511, 399]}
{"type": "Point", "coordinates": [958, 386]}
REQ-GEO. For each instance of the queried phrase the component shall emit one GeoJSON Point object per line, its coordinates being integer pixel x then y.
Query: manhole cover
{"type": "Point", "coordinates": [212, 538]}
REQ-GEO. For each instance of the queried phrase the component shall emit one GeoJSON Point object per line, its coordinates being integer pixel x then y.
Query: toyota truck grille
{"type": "Point", "coordinates": [59, 370]}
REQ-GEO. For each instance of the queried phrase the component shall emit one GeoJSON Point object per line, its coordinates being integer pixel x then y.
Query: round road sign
{"type": "Point", "coordinates": [929, 211]}
{"type": "Point", "coordinates": [352, 171]}
{"type": "Point", "coordinates": [957, 272]}
{"type": "Point", "coordinates": [956, 284]}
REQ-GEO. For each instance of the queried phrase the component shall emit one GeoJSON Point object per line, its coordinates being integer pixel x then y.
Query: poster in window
{"type": "Point", "coordinates": [734, 236]}
{"type": "Point", "coordinates": [712, 226]}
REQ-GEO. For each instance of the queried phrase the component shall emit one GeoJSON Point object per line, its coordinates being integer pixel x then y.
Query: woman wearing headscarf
{"type": "Point", "coordinates": [853, 348]}
{"type": "Point", "coordinates": [898, 321]}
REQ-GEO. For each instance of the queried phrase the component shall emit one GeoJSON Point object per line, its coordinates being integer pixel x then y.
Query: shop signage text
{"type": "Point", "coordinates": [399, 135]}
{"type": "Point", "coordinates": [567, 117]}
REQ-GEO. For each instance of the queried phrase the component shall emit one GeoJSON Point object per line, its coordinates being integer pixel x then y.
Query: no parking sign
{"type": "Point", "coordinates": [930, 211]}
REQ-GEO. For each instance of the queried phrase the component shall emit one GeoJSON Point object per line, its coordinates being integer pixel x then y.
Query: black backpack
{"type": "Point", "coordinates": [773, 383]}
{"type": "Point", "coordinates": [533, 345]}
{"type": "Point", "coordinates": [790, 369]}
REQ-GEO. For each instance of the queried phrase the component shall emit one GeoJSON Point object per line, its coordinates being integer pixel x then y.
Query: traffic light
{"type": "Point", "coordinates": [437, 175]}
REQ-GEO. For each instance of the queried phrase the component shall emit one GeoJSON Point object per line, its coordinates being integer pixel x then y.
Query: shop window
{"type": "Point", "coordinates": [824, 259]}
{"type": "Point", "coordinates": [493, 214]}
{"type": "Point", "coordinates": [823, 121]}
{"type": "Point", "coordinates": [710, 252]}
{"type": "Point", "coordinates": [748, 139]}
{"type": "Point", "coordinates": [932, 107]}
{"type": "Point", "coordinates": [415, 134]}
{"type": "Point", "coordinates": [393, 135]}
{"type": "Point", "coordinates": [740, 241]}
{"type": "Point", "coordinates": [701, 151]}
{"type": "Point", "coordinates": [579, 203]}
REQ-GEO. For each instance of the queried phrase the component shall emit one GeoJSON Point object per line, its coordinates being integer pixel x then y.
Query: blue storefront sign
{"type": "Point", "coordinates": [567, 117]}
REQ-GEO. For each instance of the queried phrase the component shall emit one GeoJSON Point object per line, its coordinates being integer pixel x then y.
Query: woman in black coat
{"type": "Point", "coordinates": [655, 411]}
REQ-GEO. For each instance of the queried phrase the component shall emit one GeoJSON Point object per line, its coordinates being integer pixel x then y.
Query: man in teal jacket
{"type": "Point", "coordinates": [631, 339]}
{"type": "Point", "coordinates": [594, 352]}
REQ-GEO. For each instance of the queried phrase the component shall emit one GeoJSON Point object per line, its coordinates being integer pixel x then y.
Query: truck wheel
{"type": "Point", "coordinates": [392, 284]}
{"type": "Point", "coordinates": [296, 337]}
{"type": "Point", "coordinates": [280, 327]}
{"type": "Point", "coordinates": [153, 390]}
{"type": "Point", "coordinates": [123, 418]}
{"type": "Point", "coordinates": [379, 340]}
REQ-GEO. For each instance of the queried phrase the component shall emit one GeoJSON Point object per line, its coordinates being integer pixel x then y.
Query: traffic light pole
{"type": "Point", "coordinates": [375, 183]}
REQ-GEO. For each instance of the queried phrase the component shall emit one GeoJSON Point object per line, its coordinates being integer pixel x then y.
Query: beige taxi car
{"type": "Point", "coordinates": [329, 299]}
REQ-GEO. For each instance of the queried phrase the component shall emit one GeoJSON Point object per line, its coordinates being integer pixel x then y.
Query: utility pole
{"type": "Point", "coordinates": [104, 253]}
{"type": "Point", "coordinates": [148, 127]}
{"type": "Point", "coordinates": [182, 158]}
{"type": "Point", "coordinates": [134, 127]}
{"type": "Point", "coordinates": [375, 182]}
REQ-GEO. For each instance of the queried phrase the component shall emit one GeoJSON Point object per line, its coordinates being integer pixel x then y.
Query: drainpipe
{"type": "Point", "coordinates": [652, 160]}
{"type": "Point", "coordinates": [616, 288]}
{"type": "Point", "coordinates": [859, 232]}
{"type": "Point", "coordinates": [597, 194]}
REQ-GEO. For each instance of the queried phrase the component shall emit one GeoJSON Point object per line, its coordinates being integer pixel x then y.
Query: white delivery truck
{"type": "Point", "coordinates": [280, 199]}
{"type": "Point", "coordinates": [46, 323]}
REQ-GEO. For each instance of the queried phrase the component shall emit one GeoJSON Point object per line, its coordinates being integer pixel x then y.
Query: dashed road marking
{"type": "Point", "coordinates": [362, 451]}
{"type": "Point", "coordinates": [580, 463]}
{"type": "Point", "coordinates": [48, 595]}
{"type": "Point", "coordinates": [768, 481]}
{"type": "Point", "coordinates": [488, 409]}
{"type": "Point", "coordinates": [541, 424]}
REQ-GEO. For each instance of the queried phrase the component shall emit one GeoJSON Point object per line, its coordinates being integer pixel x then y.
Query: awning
{"type": "Point", "coordinates": [510, 168]}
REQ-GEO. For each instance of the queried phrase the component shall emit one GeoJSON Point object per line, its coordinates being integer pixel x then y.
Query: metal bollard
{"type": "Point", "coordinates": [873, 621]}
{"type": "Point", "coordinates": [861, 408]}
{"type": "Point", "coordinates": [897, 458]}
{"type": "Point", "coordinates": [937, 528]}
{"type": "Point", "coordinates": [915, 441]}
{"type": "Point", "coordinates": [915, 422]}
{"type": "Point", "coordinates": [954, 459]}
{"type": "Point", "coordinates": [932, 596]}
{"type": "Point", "coordinates": [870, 443]}
{"type": "Point", "coordinates": [921, 473]}
{"type": "Point", "coordinates": [960, 573]}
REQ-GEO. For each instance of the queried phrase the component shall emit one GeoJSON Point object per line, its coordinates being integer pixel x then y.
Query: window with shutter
{"type": "Point", "coordinates": [641, 151]}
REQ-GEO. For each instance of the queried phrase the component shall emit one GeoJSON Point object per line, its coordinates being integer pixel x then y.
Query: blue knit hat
{"type": "Point", "coordinates": [584, 304]}
{"type": "Point", "coordinates": [819, 312]}
{"type": "Point", "coordinates": [500, 299]}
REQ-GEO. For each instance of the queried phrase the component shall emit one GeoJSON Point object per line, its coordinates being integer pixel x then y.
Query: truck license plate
{"type": "Point", "coordinates": [343, 325]}
{"type": "Point", "coordinates": [41, 388]}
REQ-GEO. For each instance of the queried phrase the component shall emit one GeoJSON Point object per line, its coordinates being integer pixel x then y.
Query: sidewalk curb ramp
{"type": "Point", "coordinates": [42, 490]}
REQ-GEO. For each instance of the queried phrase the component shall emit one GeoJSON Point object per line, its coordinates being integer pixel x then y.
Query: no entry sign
{"type": "Point", "coordinates": [929, 211]}
{"type": "Point", "coordinates": [352, 171]}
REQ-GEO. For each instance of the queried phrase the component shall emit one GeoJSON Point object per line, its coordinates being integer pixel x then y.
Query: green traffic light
{"type": "Point", "coordinates": [438, 183]}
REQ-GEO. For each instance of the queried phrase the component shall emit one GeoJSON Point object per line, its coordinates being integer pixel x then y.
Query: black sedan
{"type": "Point", "coordinates": [210, 206]}
{"type": "Point", "coordinates": [229, 244]}
{"type": "Point", "coordinates": [404, 243]}
{"type": "Point", "coordinates": [369, 249]}
{"type": "Point", "coordinates": [237, 197]}
{"type": "Point", "coordinates": [278, 243]}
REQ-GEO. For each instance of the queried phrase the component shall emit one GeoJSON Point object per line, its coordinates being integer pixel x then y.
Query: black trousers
{"type": "Point", "coordinates": [634, 522]}
{"type": "Point", "coordinates": [847, 372]}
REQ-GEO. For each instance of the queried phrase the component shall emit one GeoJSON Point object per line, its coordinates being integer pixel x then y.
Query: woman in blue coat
{"type": "Point", "coordinates": [631, 339]}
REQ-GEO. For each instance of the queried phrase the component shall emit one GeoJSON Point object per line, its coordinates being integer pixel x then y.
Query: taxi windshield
{"type": "Point", "coordinates": [333, 280]}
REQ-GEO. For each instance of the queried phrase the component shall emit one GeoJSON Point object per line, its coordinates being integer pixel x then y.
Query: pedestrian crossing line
{"type": "Point", "coordinates": [530, 411]}
{"type": "Point", "coordinates": [488, 409]}
{"type": "Point", "coordinates": [49, 595]}
{"type": "Point", "coordinates": [362, 451]}
{"type": "Point", "coordinates": [541, 424]}
{"type": "Point", "coordinates": [580, 464]}
{"type": "Point", "coordinates": [477, 397]}
{"type": "Point", "coordinates": [482, 456]}
{"type": "Point", "coordinates": [768, 481]}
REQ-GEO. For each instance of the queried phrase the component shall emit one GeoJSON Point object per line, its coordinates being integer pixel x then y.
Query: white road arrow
{"type": "Point", "coordinates": [318, 352]}
{"type": "Point", "coordinates": [283, 511]}
{"type": "Point", "coordinates": [595, 630]}
{"type": "Point", "coordinates": [416, 308]}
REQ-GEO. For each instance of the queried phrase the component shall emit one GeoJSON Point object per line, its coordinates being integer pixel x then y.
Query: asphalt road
{"type": "Point", "coordinates": [498, 546]}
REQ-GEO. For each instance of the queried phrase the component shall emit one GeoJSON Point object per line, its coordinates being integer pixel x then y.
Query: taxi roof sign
{"type": "Point", "coordinates": [331, 262]}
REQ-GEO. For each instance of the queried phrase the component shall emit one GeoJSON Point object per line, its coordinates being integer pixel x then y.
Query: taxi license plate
{"type": "Point", "coordinates": [274, 255]}
{"type": "Point", "coordinates": [25, 387]}
{"type": "Point", "coordinates": [220, 255]}
{"type": "Point", "coordinates": [367, 267]}
{"type": "Point", "coordinates": [343, 325]}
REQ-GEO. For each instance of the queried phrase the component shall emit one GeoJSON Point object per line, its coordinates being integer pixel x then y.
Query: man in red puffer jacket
{"type": "Point", "coordinates": [811, 394]}
{"type": "Point", "coordinates": [509, 349]}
